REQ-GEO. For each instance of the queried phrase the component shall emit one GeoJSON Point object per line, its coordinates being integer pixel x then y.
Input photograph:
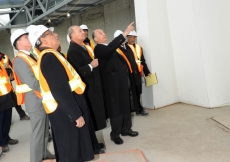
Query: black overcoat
{"type": "Point", "coordinates": [74, 144]}
{"type": "Point", "coordinates": [114, 77]}
{"type": "Point", "coordinates": [79, 59]}
{"type": "Point", "coordinates": [132, 86]}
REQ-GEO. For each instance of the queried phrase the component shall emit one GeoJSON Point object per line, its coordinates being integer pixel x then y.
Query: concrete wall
{"type": "Point", "coordinates": [5, 45]}
{"type": "Point", "coordinates": [110, 17]}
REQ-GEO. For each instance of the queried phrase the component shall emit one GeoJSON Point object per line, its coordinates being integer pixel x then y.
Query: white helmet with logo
{"type": "Point", "coordinates": [36, 33]}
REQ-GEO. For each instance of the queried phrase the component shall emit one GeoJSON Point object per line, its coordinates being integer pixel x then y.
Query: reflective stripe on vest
{"type": "Point", "coordinates": [5, 85]}
{"type": "Point", "coordinates": [90, 50]}
{"type": "Point", "coordinates": [75, 82]}
{"type": "Point", "coordinates": [127, 61]}
{"type": "Point", "coordinates": [23, 88]}
{"type": "Point", "coordinates": [137, 52]}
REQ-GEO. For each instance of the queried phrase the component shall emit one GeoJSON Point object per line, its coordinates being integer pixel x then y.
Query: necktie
{"type": "Point", "coordinates": [83, 47]}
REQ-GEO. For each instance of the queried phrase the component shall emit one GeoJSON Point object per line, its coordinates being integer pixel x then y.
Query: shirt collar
{"type": "Point", "coordinates": [26, 52]}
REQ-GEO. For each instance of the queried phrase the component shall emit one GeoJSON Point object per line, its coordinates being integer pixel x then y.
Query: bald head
{"type": "Point", "coordinates": [76, 34]}
{"type": "Point", "coordinates": [99, 36]}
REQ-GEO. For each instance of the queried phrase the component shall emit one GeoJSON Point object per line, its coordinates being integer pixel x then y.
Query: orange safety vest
{"type": "Point", "coordinates": [5, 85]}
{"type": "Point", "coordinates": [123, 55]}
{"type": "Point", "coordinates": [21, 88]}
{"type": "Point", "coordinates": [90, 50]}
{"type": "Point", "coordinates": [75, 82]}
{"type": "Point", "coordinates": [6, 61]}
{"type": "Point", "coordinates": [137, 52]}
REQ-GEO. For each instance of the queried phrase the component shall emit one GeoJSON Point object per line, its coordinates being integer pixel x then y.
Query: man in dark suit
{"type": "Point", "coordinates": [82, 58]}
{"type": "Point", "coordinates": [115, 78]}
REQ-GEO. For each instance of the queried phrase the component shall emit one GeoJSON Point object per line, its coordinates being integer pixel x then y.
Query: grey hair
{"type": "Point", "coordinates": [70, 31]}
{"type": "Point", "coordinates": [93, 34]}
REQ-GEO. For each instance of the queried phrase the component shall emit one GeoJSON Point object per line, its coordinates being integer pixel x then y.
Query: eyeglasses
{"type": "Point", "coordinates": [49, 33]}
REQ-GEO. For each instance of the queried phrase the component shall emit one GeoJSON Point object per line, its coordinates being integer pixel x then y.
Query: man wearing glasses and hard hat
{"type": "Point", "coordinates": [62, 96]}
{"type": "Point", "coordinates": [28, 92]}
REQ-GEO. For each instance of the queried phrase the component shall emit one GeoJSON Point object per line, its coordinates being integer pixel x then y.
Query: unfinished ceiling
{"type": "Point", "coordinates": [23, 13]}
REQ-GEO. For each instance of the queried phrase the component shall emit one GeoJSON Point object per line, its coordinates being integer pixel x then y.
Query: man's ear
{"type": "Point", "coordinates": [43, 40]}
{"type": "Point", "coordinates": [95, 39]}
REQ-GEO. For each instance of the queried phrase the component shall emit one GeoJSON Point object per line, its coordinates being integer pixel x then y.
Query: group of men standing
{"type": "Point", "coordinates": [79, 91]}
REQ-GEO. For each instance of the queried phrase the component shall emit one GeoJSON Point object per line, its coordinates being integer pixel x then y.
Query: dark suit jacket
{"type": "Point", "coordinates": [79, 59]}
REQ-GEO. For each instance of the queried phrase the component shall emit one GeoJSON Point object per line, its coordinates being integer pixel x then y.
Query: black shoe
{"type": "Point", "coordinates": [101, 145]}
{"type": "Point", "coordinates": [5, 148]}
{"type": "Point", "coordinates": [101, 151]}
{"type": "Point", "coordinates": [51, 156]}
{"type": "Point", "coordinates": [12, 142]}
{"type": "Point", "coordinates": [1, 154]}
{"type": "Point", "coordinates": [131, 134]}
{"type": "Point", "coordinates": [50, 138]}
{"type": "Point", "coordinates": [117, 141]}
{"type": "Point", "coordinates": [25, 118]}
{"type": "Point", "coordinates": [142, 113]}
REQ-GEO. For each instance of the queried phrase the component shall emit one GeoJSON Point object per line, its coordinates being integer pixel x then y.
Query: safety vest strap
{"type": "Point", "coordinates": [92, 44]}
{"type": "Point", "coordinates": [90, 50]}
{"type": "Point", "coordinates": [127, 61]}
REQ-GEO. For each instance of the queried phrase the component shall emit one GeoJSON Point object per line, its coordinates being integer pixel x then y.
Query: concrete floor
{"type": "Point", "coordinates": [176, 133]}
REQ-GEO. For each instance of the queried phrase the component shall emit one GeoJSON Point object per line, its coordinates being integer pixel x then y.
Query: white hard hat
{"type": "Point", "coordinates": [16, 34]}
{"type": "Point", "coordinates": [36, 33]}
{"type": "Point", "coordinates": [30, 28]}
{"type": "Point", "coordinates": [133, 33]}
{"type": "Point", "coordinates": [68, 38]}
{"type": "Point", "coordinates": [117, 32]}
{"type": "Point", "coordinates": [83, 26]}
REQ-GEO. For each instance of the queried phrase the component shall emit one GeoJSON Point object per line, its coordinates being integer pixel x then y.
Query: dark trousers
{"type": "Point", "coordinates": [55, 146]}
{"type": "Point", "coordinates": [138, 92]}
{"type": "Point", "coordinates": [121, 124]}
{"type": "Point", "coordinates": [20, 111]}
{"type": "Point", "coordinates": [5, 122]}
